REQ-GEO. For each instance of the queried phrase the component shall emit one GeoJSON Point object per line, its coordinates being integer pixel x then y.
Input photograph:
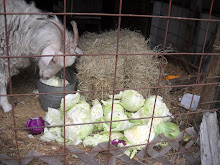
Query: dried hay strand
{"type": "Point", "coordinates": [133, 71]}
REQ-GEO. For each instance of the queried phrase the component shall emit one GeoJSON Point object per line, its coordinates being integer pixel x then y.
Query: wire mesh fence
{"type": "Point", "coordinates": [164, 27]}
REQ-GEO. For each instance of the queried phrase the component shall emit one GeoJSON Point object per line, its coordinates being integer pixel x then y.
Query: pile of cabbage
{"type": "Point", "coordinates": [127, 105]}
{"type": "Point", "coordinates": [55, 82]}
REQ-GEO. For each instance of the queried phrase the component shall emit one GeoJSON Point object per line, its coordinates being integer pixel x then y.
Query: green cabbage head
{"type": "Point", "coordinates": [131, 100]}
{"type": "Point", "coordinates": [76, 133]}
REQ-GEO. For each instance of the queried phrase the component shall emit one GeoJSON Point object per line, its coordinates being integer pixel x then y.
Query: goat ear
{"type": "Point", "coordinates": [47, 51]}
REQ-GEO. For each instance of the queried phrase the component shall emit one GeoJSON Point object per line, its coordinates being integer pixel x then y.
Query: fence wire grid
{"type": "Point", "coordinates": [119, 15]}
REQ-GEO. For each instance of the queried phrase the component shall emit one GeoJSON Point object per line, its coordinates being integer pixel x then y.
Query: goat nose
{"type": "Point", "coordinates": [41, 75]}
{"type": "Point", "coordinates": [44, 77]}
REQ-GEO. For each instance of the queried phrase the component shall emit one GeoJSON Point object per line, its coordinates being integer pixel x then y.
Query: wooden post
{"type": "Point", "coordinates": [209, 92]}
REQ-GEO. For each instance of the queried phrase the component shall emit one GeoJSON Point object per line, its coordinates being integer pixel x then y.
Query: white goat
{"type": "Point", "coordinates": [28, 35]}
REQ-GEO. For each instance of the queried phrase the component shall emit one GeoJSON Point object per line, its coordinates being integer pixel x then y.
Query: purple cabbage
{"type": "Point", "coordinates": [123, 142]}
{"type": "Point", "coordinates": [35, 122]}
{"type": "Point", "coordinates": [115, 142]}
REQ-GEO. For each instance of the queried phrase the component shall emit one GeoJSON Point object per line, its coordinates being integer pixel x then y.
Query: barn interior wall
{"type": "Point", "coordinates": [178, 28]}
{"type": "Point", "coordinates": [183, 36]}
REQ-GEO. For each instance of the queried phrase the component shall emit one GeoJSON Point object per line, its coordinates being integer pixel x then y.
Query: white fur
{"type": "Point", "coordinates": [29, 36]}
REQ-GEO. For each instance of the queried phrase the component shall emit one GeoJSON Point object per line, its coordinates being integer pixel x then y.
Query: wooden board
{"type": "Point", "coordinates": [209, 138]}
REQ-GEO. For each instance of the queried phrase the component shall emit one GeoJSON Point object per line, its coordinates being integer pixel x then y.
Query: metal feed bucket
{"type": "Point", "coordinates": [54, 100]}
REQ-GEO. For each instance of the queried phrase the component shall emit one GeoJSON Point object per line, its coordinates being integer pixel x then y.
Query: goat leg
{"type": "Point", "coordinates": [4, 99]}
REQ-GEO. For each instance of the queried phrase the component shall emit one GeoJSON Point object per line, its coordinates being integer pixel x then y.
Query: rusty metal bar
{"type": "Point", "coordinates": [107, 90]}
{"type": "Point", "coordinates": [10, 84]}
{"type": "Point", "coordinates": [211, 102]}
{"type": "Point", "coordinates": [117, 15]}
{"type": "Point", "coordinates": [119, 54]}
{"type": "Point", "coordinates": [213, 77]}
{"type": "Point", "coordinates": [64, 86]}
{"type": "Point", "coordinates": [115, 73]}
{"type": "Point", "coordinates": [180, 114]}
{"type": "Point", "coordinates": [160, 76]}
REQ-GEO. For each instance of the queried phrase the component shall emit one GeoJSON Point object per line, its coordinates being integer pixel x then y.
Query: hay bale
{"type": "Point", "coordinates": [133, 71]}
